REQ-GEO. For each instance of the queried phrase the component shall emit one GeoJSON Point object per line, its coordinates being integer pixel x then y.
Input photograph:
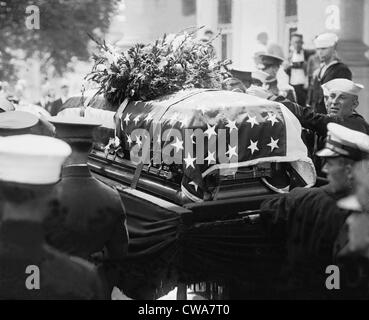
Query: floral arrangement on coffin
{"type": "Point", "coordinates": [145, 72]}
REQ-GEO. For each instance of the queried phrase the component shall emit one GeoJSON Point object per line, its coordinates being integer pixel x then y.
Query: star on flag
{"type": "Point", "coordinates": [189, 161]}
{"type": "Point", "coordinates": [178, 144]}
{"type": "Point", "coordinates": [137, 119]}
{"type": "Point", "coordinates": [129, 139]}
{"type": "Point", "coordinates": [139, 141]}
{"type": "Point", "coordinates": [272, 118]}
{"type": "Point", "coordinates": [253, 146]}
{"type": "Point", "coordinates": [127, 118]}
{"type": "Point", "coordinates": [231, 125]}
{"type": "Point", "coordinates": [231, 151]}
{"type": "Point", "coordinates": [252, 121]}
{"type": "Point", "coordinates": [273, 144]}
{"type": "Point", "coordinates": [210, 158]}
{"type": "Point", "coordinates": [210, 131]}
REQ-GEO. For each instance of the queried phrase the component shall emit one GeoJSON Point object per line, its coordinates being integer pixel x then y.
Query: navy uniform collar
{"type": "Point", "coordinates": [76, 171]}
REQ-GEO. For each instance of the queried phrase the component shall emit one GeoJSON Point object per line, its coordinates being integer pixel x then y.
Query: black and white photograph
{"type": "Point", "coordinates": [178, 155]}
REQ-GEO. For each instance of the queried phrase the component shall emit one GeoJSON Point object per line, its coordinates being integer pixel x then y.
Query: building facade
{"type": "Point", "coordinates": [279, 18]}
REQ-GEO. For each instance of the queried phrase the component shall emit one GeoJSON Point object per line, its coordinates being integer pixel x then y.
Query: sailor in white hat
{"type": "Point", "coordinates": [331, 68]}
{"type": "Point", "coordinates": [85, 200]}
{"type": "Point", "coordinates": [342, 100]}
{"type": "Point", "coordinates": [30, 165]}
{"type": "Point", "coordinates": [346, 143]}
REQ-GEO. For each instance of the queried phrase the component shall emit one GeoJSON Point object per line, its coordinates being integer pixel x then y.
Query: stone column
{"type": "Point", "coordinates": [207, 14]}
{"type": "Point", "coordinates": [351, 46]}
{"type": "Point", "coordinates": [352, 49]}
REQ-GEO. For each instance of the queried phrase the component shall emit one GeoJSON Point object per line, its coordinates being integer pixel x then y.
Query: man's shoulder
{"type": "Point", "coordinates": [311, 194]}
{"type": "Point", "coordinates": [357, 122]}
{"type": "Point", "coordinates": [305, 191]}
{"type": "Point", "coordinates": [71, 275]}
{"type": "Point", "coordinates": [338, 70]}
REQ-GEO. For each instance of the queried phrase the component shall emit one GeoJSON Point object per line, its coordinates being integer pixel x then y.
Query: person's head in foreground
{"type": "Point", "coordinates": [30, 165]}
{"type": "Point", "coordinates": [325, 45]}
{"type": "Point", "coordinates": [341, 97]}
{"type": "Point", "coordinates": [344, 147]}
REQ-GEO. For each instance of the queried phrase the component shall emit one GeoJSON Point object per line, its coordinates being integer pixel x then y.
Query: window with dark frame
{"type": "Point", "coordinates": [188, 7]}
{"type": "Point", "coordinates": [291, 8]}
{"type": "Point", "coordinates": [224, 11]}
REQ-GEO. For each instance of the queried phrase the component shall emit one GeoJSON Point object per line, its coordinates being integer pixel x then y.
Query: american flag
{"type": "Point", "coordinates": [259, 125]}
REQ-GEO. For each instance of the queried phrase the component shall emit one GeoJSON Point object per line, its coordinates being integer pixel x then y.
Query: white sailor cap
{"type": "Point", "coordinates": [32, 159]}
{"type": "Point", "coordinates": [325, 40]}
{"type": "Point", "coordinates": [345, 142]}
{"type": "Point", "coordinates": [343, 85]}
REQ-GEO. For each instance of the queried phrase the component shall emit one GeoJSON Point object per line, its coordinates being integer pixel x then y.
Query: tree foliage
{"type": "Point", "coordinates": [63, 33]}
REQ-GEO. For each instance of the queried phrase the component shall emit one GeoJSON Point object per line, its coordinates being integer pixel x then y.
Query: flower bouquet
{"type": "Point", "coordinates": [167, 65]}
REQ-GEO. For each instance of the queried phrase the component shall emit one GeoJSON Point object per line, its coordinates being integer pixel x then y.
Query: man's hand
{"type": "Point", "coordinates": [358, 234]}
{"type": "Point", "coordinates": [259, 92]}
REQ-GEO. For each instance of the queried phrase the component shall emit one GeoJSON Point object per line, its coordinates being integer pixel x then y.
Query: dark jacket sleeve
{"type": "Point", "coordinates": [308, 118]}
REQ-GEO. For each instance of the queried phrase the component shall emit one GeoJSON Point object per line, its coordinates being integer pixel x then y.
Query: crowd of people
{"type": "Point", "coordinates": [55, 215]}
{"type": "Point", "coordinates": [322, 226]}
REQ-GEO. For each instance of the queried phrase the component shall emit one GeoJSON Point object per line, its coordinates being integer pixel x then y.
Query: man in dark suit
{"type": "Point", "coordinates": [331, 68]}
{"type": "Point", "coordinates": [92, 217]}
{"type": "Point", "coordinates": [309, 219]}
{"type": "Point", "coordinates": [29, 268]}
{"type": "Point", "coordinates": [297, 67]}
